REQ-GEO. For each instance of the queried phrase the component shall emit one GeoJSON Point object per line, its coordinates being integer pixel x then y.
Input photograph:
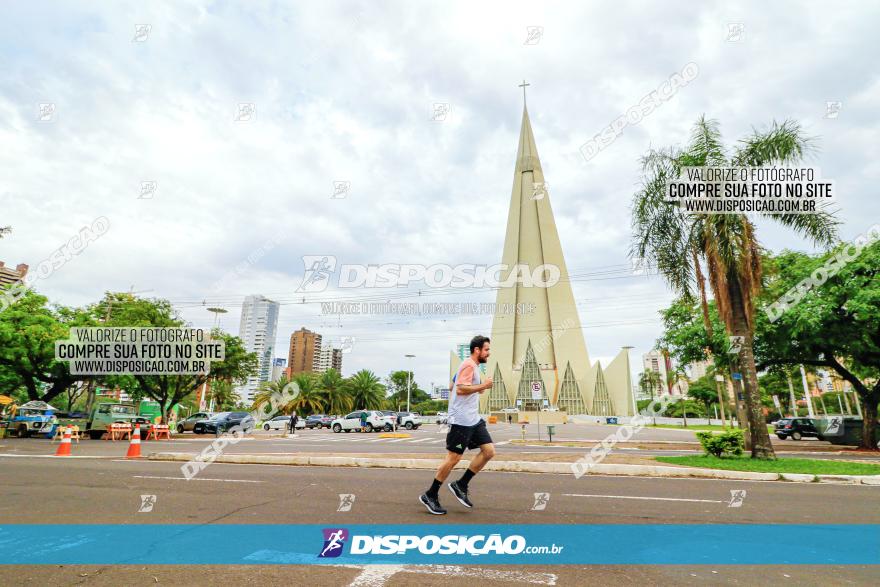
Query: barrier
{"type": "Point", "coordinates": [158, 431]}
{"type": "Point", "coordinates": [118, 431]}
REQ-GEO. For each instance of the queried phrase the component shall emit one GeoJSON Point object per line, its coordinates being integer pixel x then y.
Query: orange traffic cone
{"type": "Point", "coordinates": [64, 447]}
{"type": "Point", "coordinates": [134, 448]}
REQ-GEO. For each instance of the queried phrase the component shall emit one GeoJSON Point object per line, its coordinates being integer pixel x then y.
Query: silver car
{"type": "Point", "coordinates": [187, 424]}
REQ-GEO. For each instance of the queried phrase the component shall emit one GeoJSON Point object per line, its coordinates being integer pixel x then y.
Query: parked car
{"type": "Point", "coordinates": [282, 423]}
{"type": "Point", "coordinates": [441, 418]}
{"type": "Point", "coordinates": [795, 428]}
{"type": "Point", "coordinates": [409, 420]}
{"type": "Point", "coordinates": [223, 422]}
{"type": "Point", "coordinates": [189, 423]}
{"type": "Point", "coordinates": [318, 421]}
{"type": "Point", "coordinates": [375, 421]}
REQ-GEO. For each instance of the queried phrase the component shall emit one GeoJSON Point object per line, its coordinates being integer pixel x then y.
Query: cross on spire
{"type": "Point", "coordinates": [523, 86]}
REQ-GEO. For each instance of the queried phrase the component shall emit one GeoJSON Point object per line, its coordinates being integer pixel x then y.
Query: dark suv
{"type": "Point", "coordinates": [318, 421]}
{"type": "Point", "coordinates": [795, 428]}
{"type": "Point", "coordinates": [223, 422]}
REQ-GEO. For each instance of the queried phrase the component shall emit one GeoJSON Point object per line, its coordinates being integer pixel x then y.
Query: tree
{"type": "Point", "coordinates": [649, 381]}
{"type": "Point", "coordinates": [223, 395]}
{"type": "Point", "coordinates": [28, 331]}
{"type": "Point", "coordinates": [333, 392]}
{"type": "Point", "coordinates": [704, 391]}
{"type": "Point", "coordinates": [681, 245]}
{"type": "Point", "coordinates": [397, 383]}
{"type": "Point", "coordinates": [123, 309]}
{"type": "Point", "coordinates": [367, 392]}
{"type": "Point", "coordinates": [308, 400]}
{"type": "Point", "coordinates": [268, 390]}
{"type": "Point", "coordinates": [836, 324]}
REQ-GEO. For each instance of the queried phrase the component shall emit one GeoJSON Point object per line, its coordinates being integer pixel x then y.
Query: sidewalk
{"type": "Point", "coordinates": [621, 465]}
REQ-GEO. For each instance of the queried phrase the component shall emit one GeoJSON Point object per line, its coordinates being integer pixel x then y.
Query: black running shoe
{"type": "Point", "coordinates": [433, 504]}
{"type": "Point", "coordinates": [460, 494]}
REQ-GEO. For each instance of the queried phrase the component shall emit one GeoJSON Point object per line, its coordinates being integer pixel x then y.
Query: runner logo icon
{"type": "Point", "coordinates": [334, 542]}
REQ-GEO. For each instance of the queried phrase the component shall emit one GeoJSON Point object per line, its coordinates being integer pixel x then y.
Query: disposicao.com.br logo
{"type": "Point", "coordinates": [320, 269]}
{"type": "Point", "coordinates": [453, 544]}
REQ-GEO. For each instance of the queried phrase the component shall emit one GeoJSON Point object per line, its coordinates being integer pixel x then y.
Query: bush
{"type": "Point", "coordinates": [729, 442]}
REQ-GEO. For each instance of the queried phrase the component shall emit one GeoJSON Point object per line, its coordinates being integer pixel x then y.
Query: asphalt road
{"type": "Point", "coordinates": [46, 490]}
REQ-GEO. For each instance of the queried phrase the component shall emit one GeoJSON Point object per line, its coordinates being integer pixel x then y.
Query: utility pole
{"type": "Point", "coordinates": [408, 383]}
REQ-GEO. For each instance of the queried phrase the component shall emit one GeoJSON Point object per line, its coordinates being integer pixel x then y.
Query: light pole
{"type": "Point", "coordinates": [217, 312]}
{"type": "Point", "coordinates": [807, 393]}
{"type": "Point", "coordinates": [408, 382]}
{"type": "Point", "coordinates": [719, 380]}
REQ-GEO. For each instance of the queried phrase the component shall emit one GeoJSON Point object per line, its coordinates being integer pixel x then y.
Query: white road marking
{"type": "Point", "coordinates": [639, 497]}
{"type": "Point", "coordinates": [425, 440]}
{"type": "Point", "coordinates": [198, 479]}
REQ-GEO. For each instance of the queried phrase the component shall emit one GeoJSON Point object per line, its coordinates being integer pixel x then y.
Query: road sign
{"type": "Point", "coordinates": [737, 376]}
{"type": "Point", "coordinates": [536, 390]}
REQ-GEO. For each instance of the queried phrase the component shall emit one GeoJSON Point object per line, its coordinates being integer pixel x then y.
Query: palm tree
{"type": "Point", "coordinates": [223, 395]}
{"type": "Point", "coordinates": [681, 245]}
{"type": "Point", "coordinates": [333, 392]}
{"type": "Point", "coordinates": [270, 390]}
{"type": "Point", "coordinates": [308, 400]}
{"type": "Point", "coordinates": [649, 381]}
{"type": "Point", "coordinates": [366, 391]}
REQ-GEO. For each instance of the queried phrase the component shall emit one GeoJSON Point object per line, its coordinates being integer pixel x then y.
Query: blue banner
{"type": "Point", "coordinates": [498, 544]}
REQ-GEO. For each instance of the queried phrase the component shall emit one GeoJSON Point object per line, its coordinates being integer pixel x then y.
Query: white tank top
{"type": "Point", "coordinates": [464, 410]}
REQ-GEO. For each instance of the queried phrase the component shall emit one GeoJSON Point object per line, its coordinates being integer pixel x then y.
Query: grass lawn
{"type": "Point", "coordinates": [809, 466]}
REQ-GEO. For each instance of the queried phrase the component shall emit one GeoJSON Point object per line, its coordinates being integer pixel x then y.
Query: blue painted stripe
{"type": "Point", "coordinates": [648, 544]}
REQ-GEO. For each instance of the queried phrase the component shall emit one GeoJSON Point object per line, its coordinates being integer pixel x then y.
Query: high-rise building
{"type": "Point", "coordinates": [279, 367]}
{"type": "Point", "coordinates": [258, 327]}
{"type": "Point", "coordinates": [661, 364]}
{"type": "Point", "coordinates": [8, 276]}
{"type": "Point", "coordinates": [305, 352]}
{"type": "Point", "coordinates": [329, 358]}
{"type": "Point", "coordinates": [540, 357]}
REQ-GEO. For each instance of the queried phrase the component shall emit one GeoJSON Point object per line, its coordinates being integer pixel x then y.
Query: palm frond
{"type": "Point", "coordinates": [780, 145]}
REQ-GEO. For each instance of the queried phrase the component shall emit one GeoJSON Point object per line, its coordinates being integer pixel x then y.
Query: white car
{"type": "Point", "coordinates": [282, 423]}
{"type": "Point", "coordinates": [375, 421]}
{"type": "Point", "coordinates": [410, 420]}
{"type": "Point", "coordinates": [441, 417]}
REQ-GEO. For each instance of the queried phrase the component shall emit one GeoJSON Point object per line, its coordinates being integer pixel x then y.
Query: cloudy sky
{"type": "Point", "coordinates": [345, 92]}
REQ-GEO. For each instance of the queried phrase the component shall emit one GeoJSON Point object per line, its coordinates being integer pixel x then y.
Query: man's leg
{"type": "Point", "coordinates": [480, 438]}
{"type": "Point", "coordinates": [431, 499]}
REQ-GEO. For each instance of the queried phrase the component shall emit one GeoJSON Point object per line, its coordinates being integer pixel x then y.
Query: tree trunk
{"type": "Point", "coordinates": [761, 446]}
{"type": "Point", "coordinates": [869, 413]}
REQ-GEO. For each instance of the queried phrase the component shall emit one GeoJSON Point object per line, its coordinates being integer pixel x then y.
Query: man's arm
{"type": "Point", "coordinates": [467, 374]}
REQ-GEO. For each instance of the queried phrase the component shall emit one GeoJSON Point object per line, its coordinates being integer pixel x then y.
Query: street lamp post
{"type": "Point", "coordinates": [408, 382]}
{"type": "Point", "coordinates": [719, 380]}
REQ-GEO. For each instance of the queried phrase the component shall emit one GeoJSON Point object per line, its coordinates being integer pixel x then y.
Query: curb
{"type": "Point", "coordinates": [525, 467]}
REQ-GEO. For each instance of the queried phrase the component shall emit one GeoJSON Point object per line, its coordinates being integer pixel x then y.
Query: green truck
{"type": "Point", "coordinates": [111, 413]}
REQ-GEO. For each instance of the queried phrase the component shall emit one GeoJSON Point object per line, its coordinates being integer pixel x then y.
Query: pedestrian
{"type": "Point", "coordinates": [467, 430]}
{"type": "Point", "coordinates": [292, 423]}
{"type": "Point", "coordinates": [363, 421]}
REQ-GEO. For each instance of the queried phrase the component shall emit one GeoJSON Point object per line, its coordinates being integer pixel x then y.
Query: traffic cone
{"type": "Point", "coordinates": [64, 447]}
{"type": "Point", "coordinates": [134, 448]}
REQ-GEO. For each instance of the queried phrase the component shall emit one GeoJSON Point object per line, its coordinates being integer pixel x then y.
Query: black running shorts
{"type": "Point", "coordinates": [461, 438]}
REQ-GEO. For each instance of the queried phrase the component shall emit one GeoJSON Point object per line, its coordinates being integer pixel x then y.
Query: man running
{"type": "Point", "coordinates": [466, 429]}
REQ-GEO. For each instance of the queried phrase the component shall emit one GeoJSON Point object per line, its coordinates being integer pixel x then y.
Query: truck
{"type": "Point", "coordinates": [33, 418]}
{"type": "Point", "coordinates": [111, 413]}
